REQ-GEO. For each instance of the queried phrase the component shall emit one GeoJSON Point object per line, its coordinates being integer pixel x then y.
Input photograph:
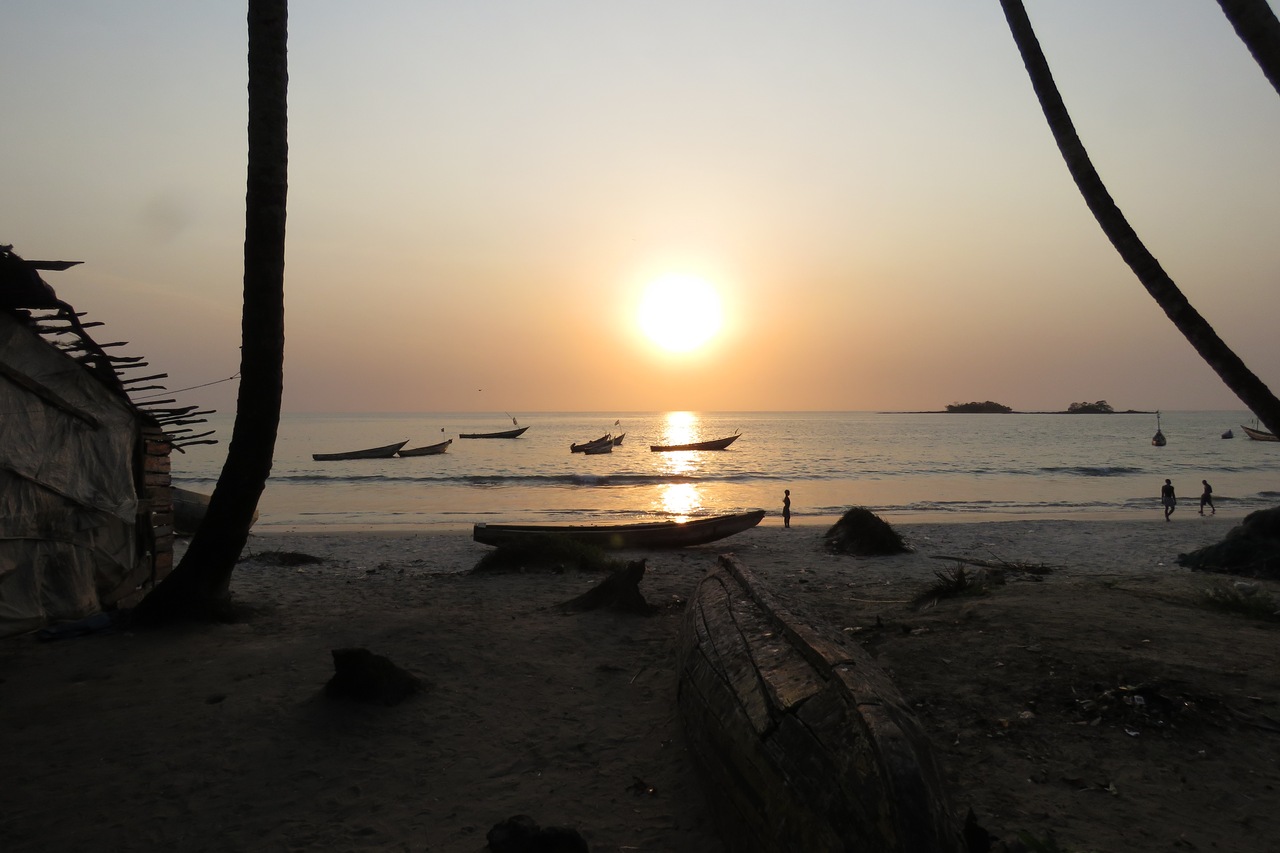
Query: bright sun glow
{"type": "Point", "coordinates": [680, 312]}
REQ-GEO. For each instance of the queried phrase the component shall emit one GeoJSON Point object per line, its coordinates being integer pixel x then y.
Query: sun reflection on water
{"type": "Point", "coordinates": [680, 499]}
{"type": "Point", "coordinates": [680, 428]}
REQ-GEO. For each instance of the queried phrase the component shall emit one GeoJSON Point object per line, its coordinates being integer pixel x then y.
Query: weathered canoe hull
{"type": "Point", "coordinates": [427, 450]}
{"type": "Point", "coordinates": [1258, 434]}
{"type": "Point", "coordinates": [384, 452]}
{"type": "Point", "coordinates": [715, 444]}
{"type": "Point", "coordinates": [506, 433]}
{"type": "Point", "coordinates": [657, 534]}
{"type": "Point", "coordinates": [803, 742]}
{"type": "Point", "coordinates": [189, 509]}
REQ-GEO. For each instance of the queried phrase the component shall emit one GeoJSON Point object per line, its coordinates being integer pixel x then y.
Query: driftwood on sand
{"type": "Point", "coordinates": [1006, 565]}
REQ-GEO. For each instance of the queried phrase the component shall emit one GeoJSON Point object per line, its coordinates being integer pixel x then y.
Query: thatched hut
{"type": "Point", "coordinates": [86, 517]}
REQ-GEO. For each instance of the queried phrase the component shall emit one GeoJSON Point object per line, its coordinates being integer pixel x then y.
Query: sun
{"type": "Point", "coordinates": [680, 312]}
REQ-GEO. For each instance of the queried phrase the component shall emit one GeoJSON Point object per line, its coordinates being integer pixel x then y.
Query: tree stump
{"type": "Point", "coordinates": [361, 675]}
{"type": "Point", "coordinates": [620, 591]}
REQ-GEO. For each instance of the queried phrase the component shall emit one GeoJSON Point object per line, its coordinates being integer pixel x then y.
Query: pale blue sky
{"type": "Point", "coordinates": [479, 191]}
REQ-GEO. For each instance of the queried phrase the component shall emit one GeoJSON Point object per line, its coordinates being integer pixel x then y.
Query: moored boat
{"type": "Point", "coordinates": [714, 444]}
{"type": "Point", "coordinates": [1258, 434]}
{"type": "Point", "coordinates": [427, 450]}
{"type": "Point", "coordinates": [802, 741]}
{"type": "Point", "coordinates": [1158, 440]}
{"type": "Point", "coordinates": [579, 448]}
{"type": "Point", "coordinates": [597, 449]}
{"type": "Point", "coordinates": [650, 534]}
{"type": "Point", "coordinates": [1228, 434]}
{"type": "Point", "coordinates": [617, 439]}
{"type": "Point", "coordinates": [506, 433]}
{"type": "Point", "coordinates": [386, 451]}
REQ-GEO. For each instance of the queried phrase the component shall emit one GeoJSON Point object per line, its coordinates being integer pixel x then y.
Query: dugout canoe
{"type": "Point", "coordinates": [645, 535]}
{"type": "Point", "coordinates": [580, 448]}
{"type": "Point", "coordinates": [802, 741]}
{"type": "Point", "coordinates": [386, 451]}
{"type": "Point", "coordinates": [714, 444]}
{"type": "Point", "coordinates": [189, 509]}
{"type": "Point", "coordinates": [1258, 434]}
{"type": "Point", "coordinates": [506, 433]}
{"type": "Point", "coordinates": [427, 450]}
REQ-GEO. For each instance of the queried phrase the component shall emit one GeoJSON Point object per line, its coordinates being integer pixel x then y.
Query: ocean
{"type": "Point", "coordinates": [903, 466]}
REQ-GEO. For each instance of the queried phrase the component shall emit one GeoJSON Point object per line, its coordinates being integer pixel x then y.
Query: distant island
{"type": "Point", "coordinates": [1102, 407]}
{"type": "Point", "coordinates": [986, 408]}
{"type": "Point", "coordinates": [990, 407]}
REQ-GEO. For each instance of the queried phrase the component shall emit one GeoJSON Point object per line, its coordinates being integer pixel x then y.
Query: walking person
{"type": "Point", "coordinates": [786, 507]}
{"type": "Point", "coordinates": [1168, 498]}
{"type": "Point", "coordinates": [1206, 499]}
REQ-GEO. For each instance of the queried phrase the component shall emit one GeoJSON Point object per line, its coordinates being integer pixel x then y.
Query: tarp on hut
{"type": "Point", "coordinates": [68, 499]}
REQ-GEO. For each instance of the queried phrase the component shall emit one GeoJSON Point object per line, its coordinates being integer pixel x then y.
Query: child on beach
{"type": "Point", "coordinates": [1206, 499]}
{"type": "Point", "coordinates": [1168, 498]}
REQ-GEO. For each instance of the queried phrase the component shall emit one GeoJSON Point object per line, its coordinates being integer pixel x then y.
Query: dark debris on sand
{"type": "Point", "coordinates": [282, 558]}
{"type": "Point", "coordinates": [1250, 549]}
{"type": "Point", "coordinates": [862, 533]}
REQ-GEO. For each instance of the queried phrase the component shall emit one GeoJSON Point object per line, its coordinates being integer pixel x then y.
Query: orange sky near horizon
{"type": "Point", "coordinates": [480, 194]}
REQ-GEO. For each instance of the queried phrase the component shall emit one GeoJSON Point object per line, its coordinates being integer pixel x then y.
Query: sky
{"type": "Point", "coordinates": [480, 192]}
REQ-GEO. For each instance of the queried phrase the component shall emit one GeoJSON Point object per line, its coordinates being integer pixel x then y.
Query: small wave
{"type": "Point", "coordinates": [1094, 470]}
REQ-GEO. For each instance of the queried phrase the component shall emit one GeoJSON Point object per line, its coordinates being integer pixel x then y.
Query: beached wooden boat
{"type": "Point", "coordinates": [579, 448]}
{"type": "Point", "coordinates": [651, 534]}
{"type": "Point", "coordinates": [506, 433]}
{"type": "Point", "coordinates": [189, 509]}
{"type": "Point", "coordinates": [427, 450]}
{"type": "Point", "coordinates": [386, 451]}
{"type": "Point", "coordinates": [1258, 434]}
{"type": "Point", "coordinates": [715, 444]}
{"type": "Point", "coordinates": [802, 741]}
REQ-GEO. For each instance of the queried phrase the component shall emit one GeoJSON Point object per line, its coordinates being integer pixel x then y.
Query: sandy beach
{"type": "Point", "coordinates": [220, 737]}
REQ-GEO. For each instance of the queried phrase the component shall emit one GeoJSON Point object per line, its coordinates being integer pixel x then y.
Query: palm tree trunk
{"type": "Point", "coordinates": [199, 587]}
{"type": "Point", "coordinates": [1258, 28]}
{"type": "Point", "coordinates": [1194, 327]}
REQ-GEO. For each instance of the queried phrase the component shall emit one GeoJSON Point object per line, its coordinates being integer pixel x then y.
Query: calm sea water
{"type": "Point", "coordinates": [905, 467]}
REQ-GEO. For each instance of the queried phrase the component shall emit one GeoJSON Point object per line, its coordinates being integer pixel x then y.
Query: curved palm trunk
{"type": "Point", "coordinates": [1258, 28]}
{"type": "Point", "coordinates": [1194, 327]}
{"type": "Point", "coordinates": [200, 586]}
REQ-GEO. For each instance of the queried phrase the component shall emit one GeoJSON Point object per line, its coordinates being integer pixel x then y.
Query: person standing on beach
{"type": "Point", "coordinates": [1168, 498]}
{"type": "Point", "coordinates": [786, 507]}
{"type": "Point", "coordinates": [1206, 499]}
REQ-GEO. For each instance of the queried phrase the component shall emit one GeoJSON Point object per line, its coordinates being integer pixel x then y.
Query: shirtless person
{"type": "Point", "coordinates": [1168, 498]}
{"type": "Point", "coordinates": [1206, 499]}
